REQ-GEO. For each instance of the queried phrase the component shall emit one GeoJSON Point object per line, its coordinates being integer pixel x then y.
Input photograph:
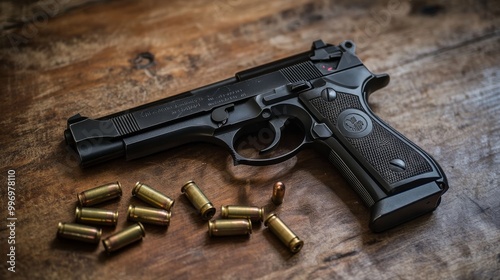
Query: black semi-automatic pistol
{"type": "Point", "coordinates": [323, 91]}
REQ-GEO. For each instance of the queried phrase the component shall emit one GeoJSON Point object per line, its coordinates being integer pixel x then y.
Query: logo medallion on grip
{"type": "Point", "coordinates": [354, 123]}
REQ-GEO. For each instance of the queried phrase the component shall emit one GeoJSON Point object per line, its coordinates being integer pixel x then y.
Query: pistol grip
{"type": "Point", "coordinates": [392, 175]}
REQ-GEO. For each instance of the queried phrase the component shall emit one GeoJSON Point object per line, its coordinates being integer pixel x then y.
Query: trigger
{"type": "Point", "coordinates": [276, 125]}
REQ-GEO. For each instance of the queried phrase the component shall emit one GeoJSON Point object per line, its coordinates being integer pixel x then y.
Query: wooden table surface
{"type": "Point", "coordinates": [443, 58]}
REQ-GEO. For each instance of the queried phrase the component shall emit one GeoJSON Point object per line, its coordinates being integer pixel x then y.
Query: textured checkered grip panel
{"type": "Point", "coordinates": [380, 146]}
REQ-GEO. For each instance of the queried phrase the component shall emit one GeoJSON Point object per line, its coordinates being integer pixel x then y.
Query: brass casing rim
{"type": "Point", "coordinates": [250, 228]}
{"type": "Point", "coordinates": [183, 189]}
{"type": "Point", "coordinates": [60, 228]}
{"type": "Point", "coordinates": [210, 227]}
{"type": "Point", "coordinates": [271, 216]}
{"type": "Point", "coordinates": [120, 188]}
{"type": "Point", "coordinates": [223, 211]}
{"type": "Point", "coordinates": [207, 211]}
{"type": "Point", "coordinates": [106, 245]}
{"type": "Point", "coordinates": [142, 229]}
{"type": "Point", "coordinates": [136, 188]}
{"type": "Point", "coordinates": [81, 198]}
{"type": "Point", "coordinates": [295, 245]}
{"type": "Point", "coordinates": [78, 213]}
{"type": "Point", "coordinates": [168, 206]}
{"type": "Point", "coordinates": [262, 212]}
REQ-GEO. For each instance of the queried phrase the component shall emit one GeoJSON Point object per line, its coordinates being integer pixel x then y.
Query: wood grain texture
{"type": "Point", "coordinates": [14, 14]}
{"type": "Point", "coordinates": [443, 59]}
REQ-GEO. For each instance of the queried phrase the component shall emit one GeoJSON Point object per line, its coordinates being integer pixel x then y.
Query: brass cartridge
{"type": "Point", "coordinates": [152, 196]}
{"type": "Point", "coordinates": [278, 193]}
{"type": "Point", "coordinates": [96, 216]}
{"type": "Point", "coordinates": [229, 227]}
{"type": "Point", "coordinates": [79, 232]}
{"type": "Point", "coordinates": [199, 200]}
{"type": "Point", "coordinates": [100, 194]}
{"type": "Point", "coordinates": [148, 215]}
{"type": "Point", "coordinates": [284, 233]}
{"type": "Point", "coordinates": [253, 213]}
{"type": "Point", "coordinates": [124, 237]}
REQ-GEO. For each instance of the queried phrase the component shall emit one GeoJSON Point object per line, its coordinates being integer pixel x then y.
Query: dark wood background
{"type": "Point", "coordinates": [59, 58]}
